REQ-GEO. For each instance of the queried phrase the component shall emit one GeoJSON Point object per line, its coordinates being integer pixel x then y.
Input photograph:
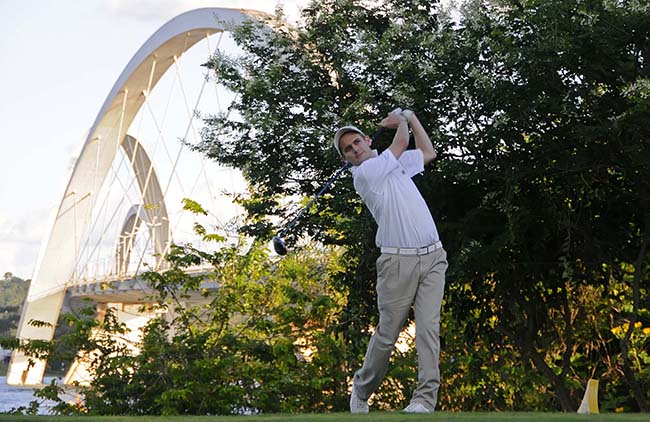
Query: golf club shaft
{"type": "Point", "coordinates": [323, 189]}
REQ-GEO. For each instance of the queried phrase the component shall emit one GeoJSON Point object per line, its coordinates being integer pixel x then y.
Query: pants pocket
{"type": "Point", "coordinates": [387, 270]}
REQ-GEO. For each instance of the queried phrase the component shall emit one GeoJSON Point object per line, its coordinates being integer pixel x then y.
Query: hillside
{"type": "Point", "coordinates": [13, 291]}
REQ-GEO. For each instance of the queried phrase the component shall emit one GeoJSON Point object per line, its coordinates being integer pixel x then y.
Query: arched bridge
{"type": "Point", "coordinates": [122, 206]}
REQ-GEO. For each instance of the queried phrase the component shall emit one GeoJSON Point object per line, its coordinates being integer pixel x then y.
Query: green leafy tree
{"type": "Point", "coordinates": [538, 108]}
{"type": "Point", "coordinates": [554, 143]}
{"type": "Point", "coordinates": [256, 334]}
{"type": "Point", "coordinates": [349, 63]}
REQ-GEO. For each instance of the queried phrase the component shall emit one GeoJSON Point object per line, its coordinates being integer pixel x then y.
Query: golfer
{"type": "Point", "coordinates": [412, 265]}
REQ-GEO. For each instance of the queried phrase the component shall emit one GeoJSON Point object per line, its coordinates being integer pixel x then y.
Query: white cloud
{"type": "Point", "coordinates": [20, 240]}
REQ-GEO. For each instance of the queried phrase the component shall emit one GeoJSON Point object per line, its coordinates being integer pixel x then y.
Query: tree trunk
{"type": "Point", "coordinates": [628, 372]}
{"type": "Point", "coordinates": [526, 342]}
{"type": "Point", "coordinates": [561, 392]}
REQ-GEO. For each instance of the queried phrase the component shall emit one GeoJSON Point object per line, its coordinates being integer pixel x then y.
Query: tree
{"type": "Point", "coordinates": [539, 110]}
{"type": "Point", "coordinates": [295, 87]}
{"type": "Point", "coordinates": [555, 139]}
{"type": "Point", "coordinates": [263, 340]}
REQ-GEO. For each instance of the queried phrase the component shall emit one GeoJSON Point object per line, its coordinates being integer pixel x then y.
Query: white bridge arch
{"type": "Point", "coordinates": [57, 259]}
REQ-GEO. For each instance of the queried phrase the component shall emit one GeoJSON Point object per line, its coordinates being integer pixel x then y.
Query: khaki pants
{"type": "Point", "coordinates": [402, 281]}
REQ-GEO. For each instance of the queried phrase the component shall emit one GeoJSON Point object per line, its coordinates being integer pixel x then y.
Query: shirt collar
{"type": "Point", "coordinates": [373, 154]}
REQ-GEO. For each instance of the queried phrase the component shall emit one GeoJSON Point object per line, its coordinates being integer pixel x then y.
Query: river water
{"type": "Point", "coordinates": [12, 397]}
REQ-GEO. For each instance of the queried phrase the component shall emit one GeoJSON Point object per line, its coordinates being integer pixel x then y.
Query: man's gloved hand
{"type": "Point", "coordinates": [407, 114]}
{"type": "Point", "coordinates": [393, 119]}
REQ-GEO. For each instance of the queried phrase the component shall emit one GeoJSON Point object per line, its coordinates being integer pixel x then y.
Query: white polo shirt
{"type": "Point", "coordinates": [385, 185]}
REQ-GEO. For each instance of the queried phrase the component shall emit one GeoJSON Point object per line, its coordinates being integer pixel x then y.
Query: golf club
{"type": "Point", "coordinates": [278, 244]}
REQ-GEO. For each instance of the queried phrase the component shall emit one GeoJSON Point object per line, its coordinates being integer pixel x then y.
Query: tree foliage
{"type": "Point", "coordinates": [541, 194]}
{"type": "Point", "coordinates": [254, 335]}
{"type": "Point", "coordinates": [565, 164]}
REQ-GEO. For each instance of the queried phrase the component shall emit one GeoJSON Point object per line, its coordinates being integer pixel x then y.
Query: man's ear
{"type": "Point", "coordinates": [369, 140]}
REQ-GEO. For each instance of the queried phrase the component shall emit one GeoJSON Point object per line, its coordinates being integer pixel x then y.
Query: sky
{"type": "Point", "coordinates": [59, 60]}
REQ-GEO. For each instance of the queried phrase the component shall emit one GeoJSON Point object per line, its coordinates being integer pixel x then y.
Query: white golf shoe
{"type": "Point", "coordinates": [357, 405]}
{"type": "Point", "coordinates": [416, 408]}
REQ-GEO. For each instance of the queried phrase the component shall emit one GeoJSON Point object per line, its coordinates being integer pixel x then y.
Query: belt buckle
{"type": "Point", "coordinates": [429, 249]}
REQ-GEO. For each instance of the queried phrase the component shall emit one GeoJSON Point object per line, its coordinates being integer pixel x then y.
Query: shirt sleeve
{"type": "Point", "coordinates": [412, 161]}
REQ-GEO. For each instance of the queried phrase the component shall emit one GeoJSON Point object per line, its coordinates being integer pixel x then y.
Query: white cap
{"type": "Point", "coordinates": [342, 131]}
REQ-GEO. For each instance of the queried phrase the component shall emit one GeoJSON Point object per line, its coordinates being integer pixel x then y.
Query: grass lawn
{"type": "Point", "coordinates": [332, 417]}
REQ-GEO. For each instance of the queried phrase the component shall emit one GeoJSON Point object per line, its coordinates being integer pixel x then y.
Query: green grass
{"type": "Point", "coordinates": [332, 417]}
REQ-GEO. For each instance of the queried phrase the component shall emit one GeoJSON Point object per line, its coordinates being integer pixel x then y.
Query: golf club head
{"type": "Point", "coordinates": [279, 245]}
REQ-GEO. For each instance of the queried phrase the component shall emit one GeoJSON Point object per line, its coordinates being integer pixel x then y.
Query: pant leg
{"type": "Point", "coordinates": [428, 301]}
{"type": "Point", "coordinates": [396, 287]}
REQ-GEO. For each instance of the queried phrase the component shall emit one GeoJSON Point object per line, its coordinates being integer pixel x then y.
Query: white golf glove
{"type": "Point", "coordinates": [407, 114]}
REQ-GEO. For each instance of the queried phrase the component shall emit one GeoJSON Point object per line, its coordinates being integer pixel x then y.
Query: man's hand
{"type": "Point", "coordinates": [393, 119]}
{"type": "Point", "coordinates": [402, 119]}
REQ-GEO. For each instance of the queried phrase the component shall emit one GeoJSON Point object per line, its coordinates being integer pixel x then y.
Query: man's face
{"type": "Point", "coordinates": [355, 148]}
